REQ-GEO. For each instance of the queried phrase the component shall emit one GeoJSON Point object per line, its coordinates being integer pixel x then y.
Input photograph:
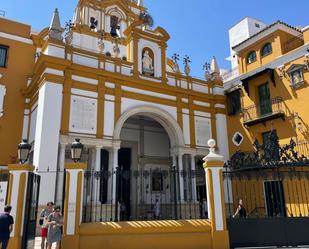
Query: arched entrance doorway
{"type": "Point", "coordinates": [145, 163]}
{"type": "Point", "coordinates": [148, 173]}
{"type": "Point", "coordinates": [156, 178]}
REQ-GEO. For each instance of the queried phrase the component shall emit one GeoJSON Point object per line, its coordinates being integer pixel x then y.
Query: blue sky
{"type": "Point", "coordinates": [198, 28]}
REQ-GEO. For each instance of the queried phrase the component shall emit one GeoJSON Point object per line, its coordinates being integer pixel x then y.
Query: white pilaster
{"type": "Point", "coordinates": [47, 138]}
{"type": "Point", "coordinates": [174, 157]}
{"type": "Point", "coordinates": [114, 169]}
{"type": "Point", "coordinates": [193, 168]}
{"type": "Point", "coordinates": [221, 125]}
{"type": "Point", "coordinates": [213, 167]}
{"type": "Point", "coordinates": [98, 158]}
{"type": "Point", "coordinates": [96, 181]}
{"type": "Point", "coordinates": [181, 180]}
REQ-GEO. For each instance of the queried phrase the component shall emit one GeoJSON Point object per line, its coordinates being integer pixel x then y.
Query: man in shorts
{"type": "Point", "coordinates": [43, 222]}
{"type": "Point", "coordinates": [6, 226]}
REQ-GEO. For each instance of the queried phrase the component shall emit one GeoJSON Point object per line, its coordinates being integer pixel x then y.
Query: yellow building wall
{"type": "Point", "coordinates": [294, 101]}
{"type": "Point", "coordinates": [278, 41]}
{"type": "Point", "coordinates": [138, 235]}
{"type": "Point", "coordinates": [20, 64]}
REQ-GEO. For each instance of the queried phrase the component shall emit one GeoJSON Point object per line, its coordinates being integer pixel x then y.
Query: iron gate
{"type": "Point", "coordinates": [4, 188]}
{"type": "Point", "coordinates": [273, 185]}
{"type": "Point", "coordinates": [31, 209]}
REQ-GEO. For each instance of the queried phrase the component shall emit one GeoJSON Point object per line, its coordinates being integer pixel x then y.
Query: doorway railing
{"type": "Point", "coordinates": [145, 194]}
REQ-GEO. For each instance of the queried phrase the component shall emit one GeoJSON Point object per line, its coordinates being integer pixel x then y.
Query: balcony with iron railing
{"type": "Point", "coordinates": [266, 110]}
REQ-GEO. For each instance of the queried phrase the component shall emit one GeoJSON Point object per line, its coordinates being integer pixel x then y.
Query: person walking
{"type": "Point", "coordinates": [43, 222]}
{"type": "Point", "coordinates": [55, 222]}
{"type": "Point", "coordinates": [241, 211]}
{"type": "Point", "coordinates": [6, 226]}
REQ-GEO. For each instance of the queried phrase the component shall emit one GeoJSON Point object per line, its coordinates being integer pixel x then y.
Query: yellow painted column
{"type": "Point", "coordinates": [192, 122]}
{"type": "Point", "coordinates": [163, 61]}
{"type": "Point", "coordinates": [215, 195]}
{"type": "Point", "coordinates": [117, 101]}
{"type": "Point", "coordinates": [73, 204]}
{"type": "Point", "coordinates": [135, 55]}
{"type": "Point", "coordinates": [101, 107]}
{"type": "Point", "coordinates": [17, 192]}
{"type": "Point", "coordinates": [66, 103]}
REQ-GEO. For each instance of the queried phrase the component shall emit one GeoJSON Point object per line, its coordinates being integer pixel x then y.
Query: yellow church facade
{"type": "Point", "coordinates": [104, 79]}
{"type": "Point", "coordinates": [145, 123]}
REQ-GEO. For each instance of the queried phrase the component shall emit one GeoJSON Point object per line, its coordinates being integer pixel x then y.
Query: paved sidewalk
{"type": "Point", "coordinates": [274, 247]}
{"type": "Point", "coordinates": [37, 244]}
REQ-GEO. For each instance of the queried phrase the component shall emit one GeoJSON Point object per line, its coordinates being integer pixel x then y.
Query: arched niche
{"type": "Point", "coordinates": [148, 61]}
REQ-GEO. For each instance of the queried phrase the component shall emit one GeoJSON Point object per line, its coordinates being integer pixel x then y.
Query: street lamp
{"type": "Point", "coordinates": [76, 150]}
{"type": "Point", "coordinates": [23, 151]}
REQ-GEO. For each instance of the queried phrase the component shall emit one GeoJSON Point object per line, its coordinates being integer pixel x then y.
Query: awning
{"type": "Point", "coordinates": [255, 74]}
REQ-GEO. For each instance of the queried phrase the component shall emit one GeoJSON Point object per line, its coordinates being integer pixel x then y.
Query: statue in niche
{"type": "Point", "coordinates": [148, 68]}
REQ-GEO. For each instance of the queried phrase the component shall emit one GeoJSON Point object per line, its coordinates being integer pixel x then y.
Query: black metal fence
{"type": "Point", "coordinates": [4, 177]}
{"type": "Point", "coordinates": [276, 192]}
{"type": "Point", "coordinates": [133, 195]}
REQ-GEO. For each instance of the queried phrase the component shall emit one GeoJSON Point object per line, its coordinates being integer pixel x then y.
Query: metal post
{"type": "Point", "coordinates": [175, 190]}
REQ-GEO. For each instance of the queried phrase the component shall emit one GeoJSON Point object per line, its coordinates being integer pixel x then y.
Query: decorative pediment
{"type": "Point", "coordinates": [161, 31]}
{"type": "Point", "coordinates": [294, 67]}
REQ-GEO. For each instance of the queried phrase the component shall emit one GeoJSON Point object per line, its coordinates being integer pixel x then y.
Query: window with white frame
{"type": "Point", "coordinates": [237, 139]}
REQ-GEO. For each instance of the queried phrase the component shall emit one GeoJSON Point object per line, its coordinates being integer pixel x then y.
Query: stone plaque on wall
{"type": "Point", "coordinates": [83, 115]}
{"type": "Point", "coordinates": [202, 130]}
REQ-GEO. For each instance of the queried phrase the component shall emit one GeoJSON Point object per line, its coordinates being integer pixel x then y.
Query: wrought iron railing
{"type": "Point", "coordinates": [271, 155]}
{"type": "Point", "coordinates": [263, 109]}
{"type": "Point", "coordinates": [138, 195]}
{"type": "Point", "coordinates": [293, 43]}
{"type": "Point", "coordinates": [302, 148]}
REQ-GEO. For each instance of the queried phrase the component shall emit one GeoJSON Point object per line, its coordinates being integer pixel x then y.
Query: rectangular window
{"type": "Point", "coordinates": [3, 55]}
{"type": "Point", "coordinates": [233, 102]}
{"type": "Point", "coordinates": [264, 98]}
{"type": "Point", "coordinates": [274, 197]}
{"type": "Point", "coordinates": [266, 137]}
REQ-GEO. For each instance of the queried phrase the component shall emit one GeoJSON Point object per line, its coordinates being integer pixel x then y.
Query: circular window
{"type": "Point", "coordinates": [238, 138]}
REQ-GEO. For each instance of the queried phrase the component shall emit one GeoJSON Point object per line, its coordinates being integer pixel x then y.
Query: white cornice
{"type": "Point", "coordinates": [266, 32]}
{"type": "Point", "coordinates": [16, 38]}
{"type": "Point", "coordinates": [281, 60]}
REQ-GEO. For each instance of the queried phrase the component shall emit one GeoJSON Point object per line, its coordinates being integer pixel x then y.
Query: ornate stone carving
{"type": "Point", "coordinates": [187, 62]}
{"type": "Point", "coordinates": [175, 59]}
{"type": "Point", "coordinates": [116, 48]}
{"type": "Point", "coordinates": [148, 67]}
{"type": "Point", "coordinates": [68, 33]}
{"type": "Point", "coordinates": [101, 45]}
